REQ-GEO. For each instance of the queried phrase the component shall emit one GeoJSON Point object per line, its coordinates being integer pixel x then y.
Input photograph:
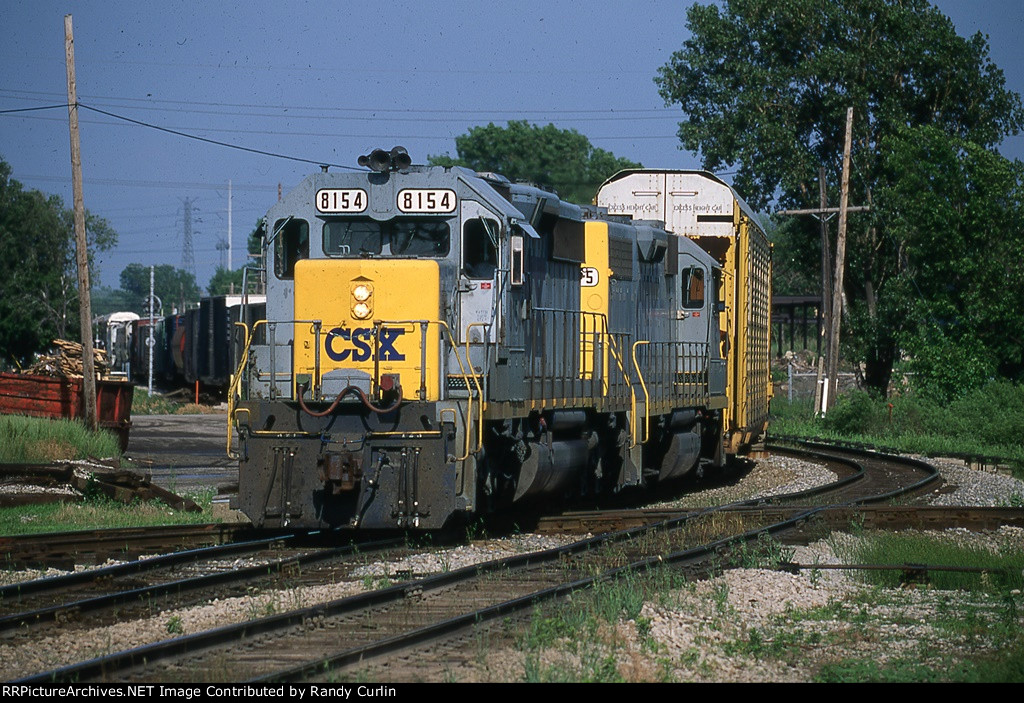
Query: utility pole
{"type": "Point", "coordinates": [229, 225]}
{"type": "Point", "coordinates": [824, 397]}
{"type": "Point", "coordinates": [826, 314]}
{"type": "Point", "coordinates": [837, 292]}
{"type": "Point", "coordinates": [826, 256]}
{"type": "Point", "coordinates": [81, 247]}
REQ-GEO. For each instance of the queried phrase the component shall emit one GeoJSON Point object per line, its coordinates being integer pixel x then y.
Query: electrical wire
{"type": "Point", "coordinates": [214, 141]}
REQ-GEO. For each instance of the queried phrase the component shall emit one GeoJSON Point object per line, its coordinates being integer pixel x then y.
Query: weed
{"type": "Point", "coordinates": [815, 575]}
{"type": "Point", "coordinates": [476, 530]}
{"type": "Point", "coordinates": [721, 597]}
{"type": "Point", "coordinates": [174, 625]}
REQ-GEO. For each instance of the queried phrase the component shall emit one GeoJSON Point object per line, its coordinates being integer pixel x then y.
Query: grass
{"type": "Point", "coordinates": [956, 628]}
{"type": "Point", "coordinates": [34, 440]}
{"type": "Point", "coordinates": [581, 640]}
{"type": "Point", "coordinates": [99, 512]}
{"type": "Point", "coordinates": [973, 629]}
{"type": "Point", "coordinates": [1006, 567]}
{"type": "Point", "coordinates": [986, 422]}
{"type": "Point", "coordinates": [157, 404]}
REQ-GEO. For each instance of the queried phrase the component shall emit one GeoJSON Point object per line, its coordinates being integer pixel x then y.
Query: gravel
{"type": "Point", "coordinates": [701, 633]}
{"type": "Point", "coordinates": [760, 625]}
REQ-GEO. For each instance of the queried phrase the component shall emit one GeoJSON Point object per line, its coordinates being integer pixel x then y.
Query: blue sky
{"type": "Point", "coordinates": [328, 81]}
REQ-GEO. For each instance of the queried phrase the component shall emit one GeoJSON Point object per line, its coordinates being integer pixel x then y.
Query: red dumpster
{"type": "Point", "coordinates": [57, 397]}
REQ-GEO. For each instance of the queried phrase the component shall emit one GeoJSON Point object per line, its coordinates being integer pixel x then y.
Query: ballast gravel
{"type": "Point", "coordinates": [709, 631]}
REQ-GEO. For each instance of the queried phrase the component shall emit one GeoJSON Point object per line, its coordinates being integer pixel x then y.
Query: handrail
{"type": "Point", "coordinates": [235, 380]}
{"type": "Point", "coordinates": [647, 400]}
{"type": "Point", "coordinates": [465, 377]}
{"type": "Point", "coordinates": [472, 380]}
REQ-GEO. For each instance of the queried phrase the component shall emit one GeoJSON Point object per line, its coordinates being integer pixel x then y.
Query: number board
{"type": "Point", "coordinates": [431, 200]}
{"type": "Point", "coordinates": [335, 200]}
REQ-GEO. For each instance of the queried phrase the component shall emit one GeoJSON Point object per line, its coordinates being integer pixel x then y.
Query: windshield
{"type": "Point", "coordinates": [397, 237]}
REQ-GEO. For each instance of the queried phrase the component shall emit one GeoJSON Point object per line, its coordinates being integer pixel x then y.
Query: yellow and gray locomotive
{"type": "Point", "coordinates": [440, 342]}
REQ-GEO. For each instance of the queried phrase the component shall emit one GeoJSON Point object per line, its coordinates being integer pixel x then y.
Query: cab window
{"type": "Point", "coordinates": [397, 237]}
{"type": "Point", "coordinates": [480, 248]}
{"type": "Point", "coordinates": [291, 243]}
{"type": "Point", "coordinates": [693, 288]}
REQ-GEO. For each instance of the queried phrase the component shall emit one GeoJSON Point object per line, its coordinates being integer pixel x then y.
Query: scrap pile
{"type": "Point", "coordinates": [67, 362]}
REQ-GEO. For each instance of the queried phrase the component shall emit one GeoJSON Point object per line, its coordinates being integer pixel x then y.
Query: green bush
{"type": "Point", "coordinates": [857, 412]}
{"type": "Point", "coordinates": [986, 421]}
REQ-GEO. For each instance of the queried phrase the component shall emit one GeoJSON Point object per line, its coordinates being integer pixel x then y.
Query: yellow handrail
{"type": "Point", "coordinates": [232, 387]}
{"type": "Point", "coordinates": [647, 400]}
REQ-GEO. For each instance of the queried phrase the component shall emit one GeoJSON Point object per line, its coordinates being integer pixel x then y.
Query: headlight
{"type": "Point", "coordinates": [361, 311]}
{"type": "Point", "coordinates": [361, 293]}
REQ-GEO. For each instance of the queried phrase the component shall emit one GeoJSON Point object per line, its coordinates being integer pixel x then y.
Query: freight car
{"type": "Point", "coordinates": [440, 342]}
{"type": "Point", "coordinates": [199, 346]}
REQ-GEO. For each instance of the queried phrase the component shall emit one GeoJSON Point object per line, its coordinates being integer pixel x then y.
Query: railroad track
{"type": "Point", "coordinates": [64, 550]}
{"type": "Point", "coordinates": [404, 616]}
{"type": "Point", "coordinates": [88, 599]}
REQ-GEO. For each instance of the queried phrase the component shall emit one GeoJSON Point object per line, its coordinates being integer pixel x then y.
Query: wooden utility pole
{"type": "Point", "coordinates": [81, 248]}
{"type": "Point", "coordinates": [826, 259]}
{"type": "Point", "coordinates": [837, 291]}
{"type": "Point", "coordinates": [824, 213]}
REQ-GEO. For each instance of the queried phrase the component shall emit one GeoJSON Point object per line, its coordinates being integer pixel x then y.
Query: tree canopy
{"type": "Point", "coordinates": [38, 277]}
{"type": "Point", "coordinates": [560, 159]}
{"type": "Point", "coordinates": [764, 86]}
{"type": "Point", "coordinates": [176, 288]}
{"type": "Point", "coordinates": [956, 209]}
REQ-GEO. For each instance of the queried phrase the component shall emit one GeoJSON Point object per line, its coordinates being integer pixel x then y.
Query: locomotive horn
{"type": "Point", "coordinates": [400, 158]}
{"type": "Point", "coordinates": [379, 160]}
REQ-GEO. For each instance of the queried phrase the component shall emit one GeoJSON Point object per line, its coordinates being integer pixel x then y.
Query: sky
{"type": "Point", "coordinates": [324, 82]}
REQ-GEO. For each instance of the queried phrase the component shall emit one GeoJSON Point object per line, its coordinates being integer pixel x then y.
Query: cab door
{"type": "Point", "coordinates": [478, 274]}
{"type": "Point", "coordinates": [694, 313]}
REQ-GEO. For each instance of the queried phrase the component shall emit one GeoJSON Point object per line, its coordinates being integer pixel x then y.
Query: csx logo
{"type": "Point", "coordinates": [342, 344]}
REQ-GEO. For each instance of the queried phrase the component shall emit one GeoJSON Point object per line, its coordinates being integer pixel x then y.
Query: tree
{"type": "Point", "coordinates": [963, 307]}
{"type": "Point", "coordinates": [792, 239]}
{"type": "Point", "coordinates": [561, 159]}
{"type": "Point", "coordinates": [765, 86]}
{"type": "Point", "coordinates": [225, 281]}
{"type": "Point", "coordinates": [176, 288]}
{"type": "Point", "coordinates": [38, 279]}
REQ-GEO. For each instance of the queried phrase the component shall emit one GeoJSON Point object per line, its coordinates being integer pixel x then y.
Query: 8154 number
{"type": "Point", "coordinates": [333, 200]}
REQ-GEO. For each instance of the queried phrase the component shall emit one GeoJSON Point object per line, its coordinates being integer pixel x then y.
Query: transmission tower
{"type": "Point", "coordinates": [224, 248]}
{"type": "Point", "coordinates": [188, 259]}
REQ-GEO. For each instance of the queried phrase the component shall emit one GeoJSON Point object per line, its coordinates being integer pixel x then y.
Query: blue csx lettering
{"type": "Point", "coordinates": [360, 340]}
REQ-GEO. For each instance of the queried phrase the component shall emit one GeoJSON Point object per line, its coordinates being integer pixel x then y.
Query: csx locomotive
{"type": "Point", "coordinates": [440, 343]}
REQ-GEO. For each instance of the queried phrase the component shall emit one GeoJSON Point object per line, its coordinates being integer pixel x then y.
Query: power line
{"type": "Point", "coordinates": [255, 187]}
{"type": "Point", "coordinates": [394, 136]}
{"type": "Point", "coordinates": [214, 141]}
{"type": "Point", "coordinates": [370, 110]}
{"type": "Point", "coordinates": [31, 109]}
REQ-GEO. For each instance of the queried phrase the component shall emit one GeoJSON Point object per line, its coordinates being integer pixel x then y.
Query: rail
{"type": "Point", "coordinates": [632, 405]}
